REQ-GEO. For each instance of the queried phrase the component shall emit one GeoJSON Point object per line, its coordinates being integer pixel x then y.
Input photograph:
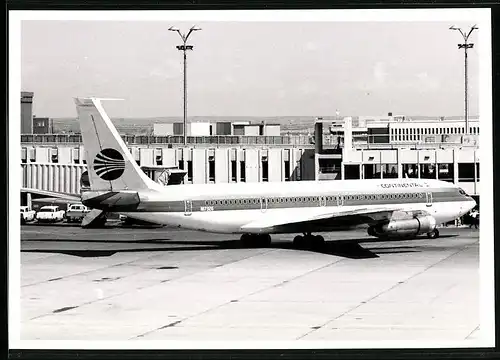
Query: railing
{"type": "Point", "coordinates": [384, 141]}
{"type": "Point", "coordinates": [414, 146]}
{"type": "Point", "coordinates": [174, 140]}
{"type": "Point", "coordinates": [358, 141]}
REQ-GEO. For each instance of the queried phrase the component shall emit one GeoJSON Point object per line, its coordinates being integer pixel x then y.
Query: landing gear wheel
{"type": "Point", "coordinates": [264, 240]}
{"type": "Point", "coordinates": [246, 240]}
{"type": "Point", "coordinates": [434, 234]}
{"type": "Point", "coordinates": [299, 242]}
{"type": "Point", "coordinates": [255, 240]}
{"type": "Point", "coordinates": [317, 241]}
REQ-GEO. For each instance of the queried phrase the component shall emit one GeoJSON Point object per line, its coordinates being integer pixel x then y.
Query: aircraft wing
{"type": "Point", "coordinates": [52, 194]}
{"type": "Point", "coordinates": [343, 217]}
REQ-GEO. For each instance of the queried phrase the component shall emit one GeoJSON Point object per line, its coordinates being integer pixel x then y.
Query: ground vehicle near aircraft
{"type": "Point", "coordinates": [27, 214]}
{"type": "Point", "coordinates": [390, 208]}
{"type": "Point", "coordinates": [50, 213]}
{"type": "Point", "coordinates": [76, 212]}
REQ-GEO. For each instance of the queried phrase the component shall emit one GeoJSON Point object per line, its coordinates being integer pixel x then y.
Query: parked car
{"type": "Point", "coordinates": [50, 214]}
{"type": "Point", "coordinates": [76, 212]}
{"type": "Point", "coordinates": [27, 214]}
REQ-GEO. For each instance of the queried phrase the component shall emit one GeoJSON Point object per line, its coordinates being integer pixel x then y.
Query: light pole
{"type": "Point", "coordinates": [183, 48]}
{"type": "Point", "coordinates": [465, 46]}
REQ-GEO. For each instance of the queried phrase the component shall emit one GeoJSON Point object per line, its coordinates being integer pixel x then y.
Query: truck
{"type": "Point", "coordinates": [76, 212]}
{"type": "Point", "coordinates": [27, 214]}
{"type": "Point", "coordinates": [50, 213]}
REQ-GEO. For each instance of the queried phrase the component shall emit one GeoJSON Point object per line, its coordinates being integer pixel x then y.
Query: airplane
{"type": "Point", "coordinates": [389, 208]}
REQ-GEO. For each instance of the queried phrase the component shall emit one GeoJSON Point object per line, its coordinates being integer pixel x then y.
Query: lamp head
{"type": "Point", "coordinates": [173, 28]}
{"type": "Point", "coordinates": [195, 28]}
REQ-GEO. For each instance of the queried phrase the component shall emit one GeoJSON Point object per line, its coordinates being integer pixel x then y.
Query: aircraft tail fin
{"type": "Point", "coordinates": [110, 164]}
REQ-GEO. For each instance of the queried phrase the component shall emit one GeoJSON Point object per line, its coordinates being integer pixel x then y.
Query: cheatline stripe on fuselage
{"type": "Point", "coordinates": [214, 203]}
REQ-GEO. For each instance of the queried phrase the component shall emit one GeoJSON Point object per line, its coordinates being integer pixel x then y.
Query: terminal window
{"type": "Point", "coordinates": [189, 170]}
{"type": "Point", "coordinates": [466, 172]}
{"type": "Point", "coordinates": [445, 172]}
{"type": "Point", "coordinates": [211, 169]}
{"type": "Point", "coordinates": [427, 171]}
{"type": "Point", "coordinates": [410, 170]}
{"type": "Point", "coordinates": [287, 170]}
{"type": "Point", "coordinates": [159, 160]}
{"type": "Point", "coordinates": [233, 170]}
{"type": "Point", "coordinates": [352, 172]}
{"type": "Point", "coordinates": [242, 171]}
{"type": "Point", "coordinates": [265, 170]}
{"type": "Point", "coordinates": [389, 171]}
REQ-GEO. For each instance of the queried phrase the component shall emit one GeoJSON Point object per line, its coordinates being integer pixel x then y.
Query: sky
{"type": "Point", "coordinates": [250, 68]}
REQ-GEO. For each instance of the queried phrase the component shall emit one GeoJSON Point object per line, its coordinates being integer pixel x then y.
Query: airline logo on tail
{"type": "Point", "coordinates": [109, 164]}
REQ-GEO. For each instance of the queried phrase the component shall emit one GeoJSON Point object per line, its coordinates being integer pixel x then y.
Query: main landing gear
{"type": "Point", "coordinates": [308, 241]}
{"type": "Point", "coordinates": [434, 234]}
{"type": "Point", "coordinates": [255, 240]}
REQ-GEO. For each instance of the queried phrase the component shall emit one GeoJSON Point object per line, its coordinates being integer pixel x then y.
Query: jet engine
{"type": "Point", "coordinates": [403, 228]}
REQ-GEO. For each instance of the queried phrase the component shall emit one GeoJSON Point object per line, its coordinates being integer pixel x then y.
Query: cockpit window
{"type": "Point", "coordinates": [462, 192]}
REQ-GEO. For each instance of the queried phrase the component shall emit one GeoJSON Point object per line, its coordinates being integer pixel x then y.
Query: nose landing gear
{"type": "Point", "coordinates": [434, 234]}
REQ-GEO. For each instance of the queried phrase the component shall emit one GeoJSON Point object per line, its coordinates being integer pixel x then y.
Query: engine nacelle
{"type": "Point", "coordinates": [407, 227]}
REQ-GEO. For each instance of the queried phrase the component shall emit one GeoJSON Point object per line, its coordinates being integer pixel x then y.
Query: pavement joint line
{"type": "Point", "coordinates": [140, 288]}
{"type": "Point", "coordinates": [240, 298]}
{"type": "Point", "coordinates": [472, 332]}
{"type": "Point", "coordinates": [381, 293]}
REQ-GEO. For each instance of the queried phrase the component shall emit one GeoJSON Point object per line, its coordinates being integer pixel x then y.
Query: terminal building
{"type": "Point", "coordinates": [348, 148]}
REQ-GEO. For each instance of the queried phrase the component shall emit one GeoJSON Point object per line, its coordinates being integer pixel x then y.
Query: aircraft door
{"type": "Point", "coordinates": [263, 204]}
{"type": "Point", "coordinates": [340, 200]}
{"type": "Point", "coordinates": [322, 201]}
{"type": "Point", "coordinates": [188, 207]}
{"type": "Point", "coordinates": [428, 197]}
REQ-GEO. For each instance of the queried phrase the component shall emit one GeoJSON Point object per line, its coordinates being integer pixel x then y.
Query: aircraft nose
{"type": "Point", "coordinates": [468, 206]}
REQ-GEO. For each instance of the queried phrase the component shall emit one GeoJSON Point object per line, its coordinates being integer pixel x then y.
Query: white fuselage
{"type": "Point", "coordinates": [227, 208]}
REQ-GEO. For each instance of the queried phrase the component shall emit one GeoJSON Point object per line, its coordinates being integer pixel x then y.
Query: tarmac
{"type": "Point", "coordinates": [142, 283]}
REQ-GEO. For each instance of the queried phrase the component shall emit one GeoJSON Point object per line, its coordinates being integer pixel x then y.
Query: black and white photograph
{"type": "Point", "coordinates": [251, 179]}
